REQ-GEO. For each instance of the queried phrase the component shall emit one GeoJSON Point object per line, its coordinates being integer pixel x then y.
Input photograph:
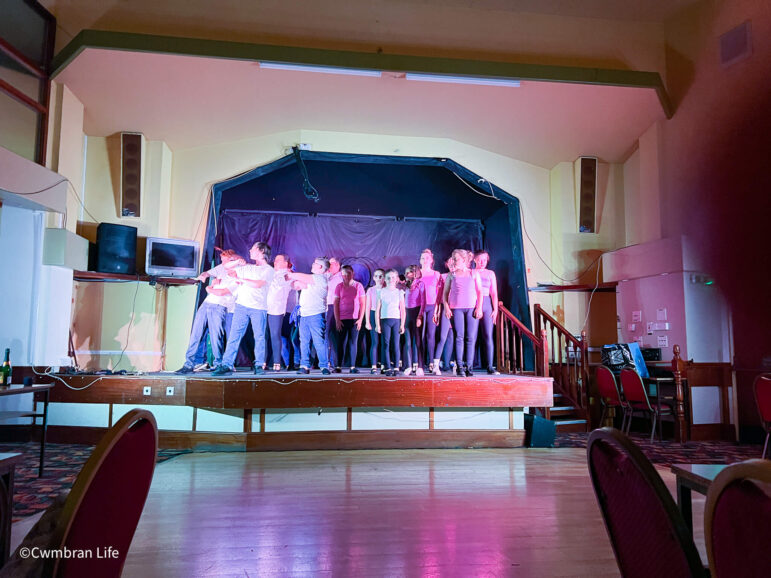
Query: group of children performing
{"type": "Point", "coordinates": [426, 307]}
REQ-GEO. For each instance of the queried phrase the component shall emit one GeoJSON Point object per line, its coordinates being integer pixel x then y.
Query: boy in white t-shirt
{"type": "Point", "coordinates": [313, 310]}
{"type": "Point", "coordinates": [213, 312]}
{"type": "Point", "coordinates": [251, 307]}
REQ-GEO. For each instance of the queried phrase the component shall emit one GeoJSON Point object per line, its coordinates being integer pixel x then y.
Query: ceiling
{"type": "Point", "coordinates": [191, 102]}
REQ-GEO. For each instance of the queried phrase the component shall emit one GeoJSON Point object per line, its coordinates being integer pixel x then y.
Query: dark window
{"type": "Point", "coordinates": [26, 49]}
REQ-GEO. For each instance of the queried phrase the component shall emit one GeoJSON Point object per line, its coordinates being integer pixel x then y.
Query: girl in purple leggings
{"type": "Point", "coordinates": [415, 301]}
{"type": "Point", "coordinates": [442, 321]}
{"type": "Point", "coordinates": [463, 301]}
{"type": "Point", "coordinates": [489, 304]}
{"type": "Point", "coordinates": [430, 280]}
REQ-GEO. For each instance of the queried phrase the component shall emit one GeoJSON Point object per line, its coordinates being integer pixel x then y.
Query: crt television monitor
{"type": "Point", "coordinates": [171, 257]}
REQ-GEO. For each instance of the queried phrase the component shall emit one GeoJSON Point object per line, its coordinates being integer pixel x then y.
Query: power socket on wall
{"type": "Point", "coordinates": [147, 390]}
{"type": "Point", "coordinates": [170, 390]}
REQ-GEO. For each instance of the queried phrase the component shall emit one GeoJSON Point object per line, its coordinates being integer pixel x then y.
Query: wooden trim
{"type": "Point", "coordinates": [349, 419]}
{"type": "Point", "coordinates": [17, 56]}
{"type": "Point", "coordinates": [511, 418]}
{"type": "Point", "coordinates": [86, 276]}
{"type": "Point", "coordinates": [609, 287]}
{"type": "Point", "coordinates": [248, 420]}
{"type": "Point", "coordinates": [262, 420]}
{"type": "Point", "coordinates": [310, 392]}
{"type": "Point", "coordinates": [711, 431]}
{"type": "Point", "coordinates": [312, 440]}
{"type": "Point", "coordinates": [109, 416]}
{"type": "Point", "coordinates": [430, 418]}
{"type": "Point", "coordinates": [195, 418]}
{"type": "Point", "coordinates": [360, 60]}
{"type": "Point", "coordinates": [19, 96]}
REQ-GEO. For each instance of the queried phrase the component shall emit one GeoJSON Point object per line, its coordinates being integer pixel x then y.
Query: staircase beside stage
{"type": "Point", "coordinates": [551, 351]}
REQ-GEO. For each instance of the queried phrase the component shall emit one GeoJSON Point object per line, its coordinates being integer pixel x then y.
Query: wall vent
{"type": "Point", "coordinates": [736, 44]}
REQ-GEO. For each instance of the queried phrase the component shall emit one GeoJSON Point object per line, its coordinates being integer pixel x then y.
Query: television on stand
{"type": "Point", "coordinates": [171, 257]}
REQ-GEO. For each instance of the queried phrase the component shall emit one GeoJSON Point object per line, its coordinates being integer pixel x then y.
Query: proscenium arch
{"type": "Point", "coordinates": [497, 210]}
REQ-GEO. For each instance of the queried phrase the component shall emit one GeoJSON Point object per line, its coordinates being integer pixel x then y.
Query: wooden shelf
{"type": "Point", "coordinates": [601, 288]}
{"type": "Point", "coordinates": [97, 276]}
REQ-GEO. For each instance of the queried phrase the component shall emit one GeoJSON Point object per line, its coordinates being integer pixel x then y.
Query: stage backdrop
{"type": "Point", "coordinates": [362, 242]}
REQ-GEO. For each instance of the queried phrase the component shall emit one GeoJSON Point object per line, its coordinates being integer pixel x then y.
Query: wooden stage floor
{"type": "Point", "coordinates": [491, 512]}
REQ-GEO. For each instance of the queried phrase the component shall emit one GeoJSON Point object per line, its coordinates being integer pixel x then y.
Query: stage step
{"type": "Point", "coordinates": [570, 425]}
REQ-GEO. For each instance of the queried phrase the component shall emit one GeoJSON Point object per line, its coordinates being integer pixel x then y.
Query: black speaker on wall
{"type": "Point", "coordinates": [587, 194]}
{"type": "Point", "coordinates": [116, 249]}
{"type": "Point", "coordinates": [130, 174]}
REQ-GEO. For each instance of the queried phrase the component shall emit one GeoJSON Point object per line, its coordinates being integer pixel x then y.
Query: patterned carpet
{"type": "Point", "coordinates": [64, 462]}
{"type": "Point", "coordinates": [62, 465]}
{"type": "Point", "coordinates": [670, 452]}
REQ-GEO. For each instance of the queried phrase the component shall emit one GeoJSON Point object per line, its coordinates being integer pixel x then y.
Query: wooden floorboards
{"type": "Point", "coordinates": [487, 512]}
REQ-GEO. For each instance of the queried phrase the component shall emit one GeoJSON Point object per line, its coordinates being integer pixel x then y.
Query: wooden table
{"type": "Point", "coordinates": [661, 383]}
{"type": "Point", "coordinates": [696, 477]}
{"type": "Point", "coordinates": [7, 467]}
{"type": "Point", "coordinates": [44, 388]}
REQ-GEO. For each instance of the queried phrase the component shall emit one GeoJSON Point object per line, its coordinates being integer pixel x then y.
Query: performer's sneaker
{"type": "Point", "coordinates": [491, 371]}
{"type": "Point", "coordinates": [204, 367]}
{"type": "Point", "coordinates": [419, 372]}
{"type": "Point", "coordinates": [468, 372]}
{"type": "Point", "coordinates": [184, 369]}
{"type": "Point", "coordinates": [373, 371]}
{"type": "Point", "coordinates": [436, 370]}
{"type": "Point", "coordinates": [303, 371]}
{"type": "Point", "coordinates": [259, 370]}
{"type": "Point", "coordinates": [325, 371]}
{"type": "Point", "coordinates": [407, 371]}
{"type": "Point", "coordinates": [222, 370]}
{"type": "Point", "coordinates": [354, 370]}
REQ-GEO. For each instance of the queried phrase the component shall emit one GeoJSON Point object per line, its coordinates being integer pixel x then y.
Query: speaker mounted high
{"type": "Point", "coordinates": [587, 194]}
{"type": "Point", "coordinates": [131, 149]}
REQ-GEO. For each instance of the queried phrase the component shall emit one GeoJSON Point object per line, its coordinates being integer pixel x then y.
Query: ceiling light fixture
{"type": "Point", "coordinates": [323, 69]}
{"type": "Point", "coordinates": [477, 80]}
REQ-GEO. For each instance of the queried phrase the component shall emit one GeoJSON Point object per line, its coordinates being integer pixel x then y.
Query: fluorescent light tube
{"type": "Point", "coordinates": [463, 79]}
{"type": "Point", "coordinates": [324, 69]}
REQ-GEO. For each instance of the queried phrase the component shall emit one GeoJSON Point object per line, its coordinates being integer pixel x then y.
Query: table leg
{"type": "Point", "coordinates": [43, 435]}
{"type": "Point", "coordinates": [684, 503]}
{"type": "Point", "coordinates": [6, 514]}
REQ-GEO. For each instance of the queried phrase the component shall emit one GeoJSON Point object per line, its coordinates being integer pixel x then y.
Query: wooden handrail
{"type": "Point", "coordinates": [521, 326]}
{"type": "Point", "coordinates": [510, 350]}
{"type": "Point", "coordinates": [571, 372]}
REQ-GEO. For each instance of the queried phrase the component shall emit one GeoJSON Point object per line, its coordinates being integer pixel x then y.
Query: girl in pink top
{"type": "Point", "coordinates": [463, 304]}
{"type": "Point", "coordinates": [489, 304]}
{"type": "Point", "coordinates": [430, 279]}
{"type": "Point", "coordinates": [349, 314]}
{"type": "Point", "coordinates": [415, 302]}
{"type": "Point", "coordinates": [443, 322]}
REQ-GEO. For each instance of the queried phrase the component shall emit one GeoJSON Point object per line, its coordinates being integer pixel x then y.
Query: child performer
{"type": "Point", "coordinates": [443, 322]}
{"type": "Point", "coordinates": [278, 293]}
{"type": "Point", "coordinates": [415, 302]}
{"type": "Point", "coordinates": [313, 310]}
{"type": "Point", "coordinates": [349, 314]}
{"type": "Point", "coordinates": [213, 312]}
{"type": "Point", "coordinates": [430, 279]}
{"type": "Point", "coordinates": [334, 278]}
{"type": "Point", "coordinates": [463, 300]}
{"type": "Point", "coordinates": [372, 297]}
{"type": "Point", "coordinates": [489, 304]}
{"type": "Point", "coordinates": [251, 307]}
{"type": "Point", "coordinates": [390, 317]}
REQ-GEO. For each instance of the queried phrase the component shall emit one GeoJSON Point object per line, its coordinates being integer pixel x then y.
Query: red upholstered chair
{"type": "Point", "coordinates": [762, 387]}
{"type": "Point", "coordinates": [737, 517]}
{"type": "Point", "coordinates": [647, 531]}
{"type": "Point", "coordinates": [637, 398]}
{"type": "Point", "coordinates": [609, 393]}
{"type": "Point", "coordinates": [103, 507]}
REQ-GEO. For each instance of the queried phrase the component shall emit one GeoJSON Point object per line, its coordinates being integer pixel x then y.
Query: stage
{"type": "Point", "coordinates": [192, 409]}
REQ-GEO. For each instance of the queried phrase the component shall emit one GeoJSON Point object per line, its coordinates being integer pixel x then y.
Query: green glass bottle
{"type": "Point", "coordinates": [6, 370]}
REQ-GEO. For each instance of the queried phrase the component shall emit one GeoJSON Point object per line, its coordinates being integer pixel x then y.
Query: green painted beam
{"type": "Point", "coordinates": [360, 60]}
